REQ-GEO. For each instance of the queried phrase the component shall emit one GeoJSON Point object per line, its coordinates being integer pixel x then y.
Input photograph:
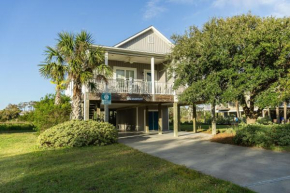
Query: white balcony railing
{"type": "Point", "coordinates": [134, 87]}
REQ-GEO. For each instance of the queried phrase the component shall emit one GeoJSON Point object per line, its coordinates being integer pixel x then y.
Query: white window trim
{"type": "Point", "coordinates": [145, 71]}
{"type": "Point", "coordinates": [123, 68]}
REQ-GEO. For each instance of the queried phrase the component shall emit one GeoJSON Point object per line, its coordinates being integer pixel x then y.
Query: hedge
{"type": "Point", "coordinates": [263, 135]}
{"type": "Point", "coordinates": [16, 126]}
{"type": "Point", "coordinates": [78, 133]}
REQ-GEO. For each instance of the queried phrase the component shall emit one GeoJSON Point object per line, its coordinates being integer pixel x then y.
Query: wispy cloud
{"type": "Point", "coordinates": [156, 7]}
{"type": "Point", "coordinates": [278, 8]}
{"type": "Point", "coordinates": [183, 1]}
{"type": "Point", "coordinates": [153, 8]}
{"type": "Point", "coordinates": [243, 3]}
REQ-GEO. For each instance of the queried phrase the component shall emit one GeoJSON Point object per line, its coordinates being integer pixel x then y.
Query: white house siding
{"type": "Point", "coordinates": [142, 43]}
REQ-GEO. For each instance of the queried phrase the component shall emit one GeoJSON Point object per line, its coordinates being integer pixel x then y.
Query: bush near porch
{"type": "Point", "coordinates": [263, 135]}
{"type": "Point", "coordinates": [78, 133]}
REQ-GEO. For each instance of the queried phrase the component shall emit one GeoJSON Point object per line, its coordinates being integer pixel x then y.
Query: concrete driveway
{"type": "Point", "coordinates": [260, 170]}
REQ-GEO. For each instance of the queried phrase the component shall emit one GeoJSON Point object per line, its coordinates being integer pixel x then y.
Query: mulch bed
{"type": "Point", "coordinates": [226, 138]}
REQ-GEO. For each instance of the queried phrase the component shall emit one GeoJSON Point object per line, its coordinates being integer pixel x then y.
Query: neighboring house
{"type": "Point", "coordinates": [140, 87]}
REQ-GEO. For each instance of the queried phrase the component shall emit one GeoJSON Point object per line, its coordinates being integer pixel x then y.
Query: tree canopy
{"type": "Point", "coordinates": [242, 58]}
{"type": "Point", "coordinates": [81, 62]}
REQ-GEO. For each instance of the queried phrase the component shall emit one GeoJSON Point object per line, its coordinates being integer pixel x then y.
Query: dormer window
{"type": "Point", "coordinates": [151, 39]}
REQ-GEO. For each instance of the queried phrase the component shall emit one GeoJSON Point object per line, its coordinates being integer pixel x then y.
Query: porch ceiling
{"type": "Point", "coordinates": [135, 59]}
{"type": "Point", "coordinates": [120, 105]}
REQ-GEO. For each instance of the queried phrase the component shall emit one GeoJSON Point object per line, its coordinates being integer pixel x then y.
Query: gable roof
{"type": "Point", "coordinates": [142, 32]}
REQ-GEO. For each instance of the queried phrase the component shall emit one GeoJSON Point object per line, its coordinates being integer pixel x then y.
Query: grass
{"type": "Point", "coordinates": [114, 168]}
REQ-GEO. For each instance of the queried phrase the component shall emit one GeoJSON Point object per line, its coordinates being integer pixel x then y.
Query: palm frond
{"type": "Point", "coordinates": [66, 44]}
{"type": "Point", "coordinates": [104, 70]}
{"type": "Point", "coordinates": [92, 86]}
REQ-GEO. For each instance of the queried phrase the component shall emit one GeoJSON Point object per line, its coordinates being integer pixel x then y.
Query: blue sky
{"type": "Point", "coordinates": [26, 27]}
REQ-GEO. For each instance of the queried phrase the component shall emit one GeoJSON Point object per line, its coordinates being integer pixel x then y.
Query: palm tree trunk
{"type": "Point", "coordinates": [57, 99]}
{"type": "Point", "coordinates": [76, 102]}
{"type": "Point", "coordinates": [238, 109]}
{"type": "Point", "coordinates": [277, 114]}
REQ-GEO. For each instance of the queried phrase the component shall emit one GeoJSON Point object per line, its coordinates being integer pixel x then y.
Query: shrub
{"type": "Point", "coordinates": [264, 121]}
{"type": "Point", "coordinates": [10, 112]}
{"type": "Point", "coordinates": [224, 120]}
{"type": "Point", "coordinates": [16, 126]}
{"type": "Point", "coordinates": [263, 135]}
{"type": "Point", "coordinates": [47, 114]}
{"type": "Point", "coordinates": [281, 134]}
{"type": "Point", "coordinates": [79, 133]}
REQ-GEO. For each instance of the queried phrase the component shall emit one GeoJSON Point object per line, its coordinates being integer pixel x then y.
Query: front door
{"type": "Point", "coordinates": [153, 120]}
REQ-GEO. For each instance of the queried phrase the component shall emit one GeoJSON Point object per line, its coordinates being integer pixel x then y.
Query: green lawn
{"type": "Point", "coordinates": [114, 168]}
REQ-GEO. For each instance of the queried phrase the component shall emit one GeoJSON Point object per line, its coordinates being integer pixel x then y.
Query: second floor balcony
{"type": "Point", "coordinates": [134, 87]}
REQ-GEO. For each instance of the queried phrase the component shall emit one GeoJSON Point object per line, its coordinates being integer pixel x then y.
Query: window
{"type": "Point", "coordinates": [122, 73]}
{"type": "Point", "coordinates": [130, 74]}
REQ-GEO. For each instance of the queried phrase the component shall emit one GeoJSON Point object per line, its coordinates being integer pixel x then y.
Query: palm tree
{"type": "Point", "coordinates": [84, 64]}
{"type": "Point", "coordinates": [55, 70]}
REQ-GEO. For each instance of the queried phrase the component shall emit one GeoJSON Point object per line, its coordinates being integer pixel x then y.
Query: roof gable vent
{"type": "Point", "coordinates": [151, 39]}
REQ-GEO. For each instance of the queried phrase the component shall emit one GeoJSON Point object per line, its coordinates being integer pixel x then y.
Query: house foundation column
{"type": "Point", "coordinates": [175, 119]}
{"type": "Point", "coordinates": [137, 119]}
{"type": "Point", "coordinates": [98, 109]}
{"type": "Point", "coordinates": [159, 119]}
{"type": "Point", "coordinates": [194, 118]}
{"type": "Point", "coordinates": [86, 107]}
{"type": "Point", "coordinates": [146, 120]}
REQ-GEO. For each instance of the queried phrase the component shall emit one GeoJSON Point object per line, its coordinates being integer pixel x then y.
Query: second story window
{"type": "Point", "coordinates": [125, 74]}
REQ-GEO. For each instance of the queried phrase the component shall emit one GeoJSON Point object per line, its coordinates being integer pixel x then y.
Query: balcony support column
{"type": "Point", "coordinates": [175, 119]}
{"type": "Point", "coordinates": [106, 107]}
{"type": "Point", "coordinates": [159, 119]}
{"type": "Point", "coordinates": [153, 75]}
{"type": "Point", "coordinates": [146, 120]}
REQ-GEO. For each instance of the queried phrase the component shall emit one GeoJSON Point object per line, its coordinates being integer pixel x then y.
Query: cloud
{"type": "Point", "coordinates": [281, 9]}
{"type": "Point", "coordinates": [278, 8]}
{"type": "Point", "coordinates": [243, 3]}
{"type": "Point", "coordinates": [153, 8]}
{"type": "Point", "coordinates": [183, 1]}
{"type": "Point", "coordinates": [157, 7]}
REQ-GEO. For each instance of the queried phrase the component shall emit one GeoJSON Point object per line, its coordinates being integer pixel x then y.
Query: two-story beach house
{"type": "Point", "coordinates": [140, 88]}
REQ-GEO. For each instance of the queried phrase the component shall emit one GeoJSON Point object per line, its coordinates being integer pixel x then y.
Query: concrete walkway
{"type": "Point", "coordinates": [260, 170]}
